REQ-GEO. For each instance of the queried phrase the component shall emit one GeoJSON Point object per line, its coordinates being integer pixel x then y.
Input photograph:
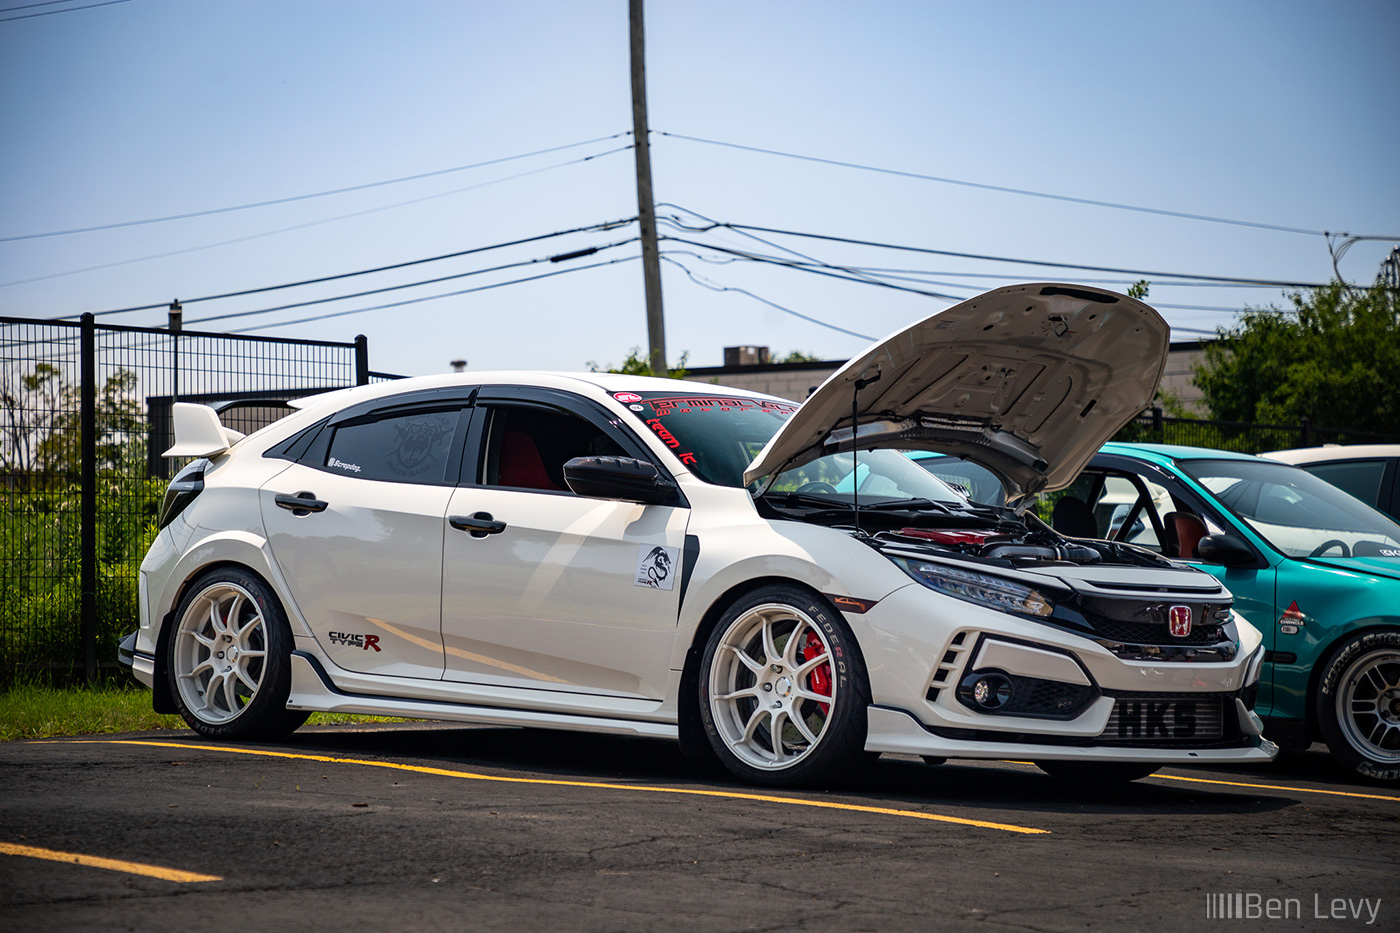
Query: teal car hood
{"type": "Point", "coordinates": [1388, 567]}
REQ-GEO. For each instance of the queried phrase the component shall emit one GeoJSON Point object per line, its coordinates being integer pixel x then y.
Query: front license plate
{"type": "Point", "coordinates": [1148, 720]}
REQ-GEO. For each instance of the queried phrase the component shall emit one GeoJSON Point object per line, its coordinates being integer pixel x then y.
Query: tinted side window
{"type": "Point", "coordinates": [1360, 478]}
{"type": "Point", "coordinates": [527, 447]}
{"type": "Point", "coordinates": [409, 447]}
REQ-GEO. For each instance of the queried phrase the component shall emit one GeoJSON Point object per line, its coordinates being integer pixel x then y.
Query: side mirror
{"type": "Point", "coordinates": [618, 478]}
{"type": "Point", "coordinates": [1230, 550]}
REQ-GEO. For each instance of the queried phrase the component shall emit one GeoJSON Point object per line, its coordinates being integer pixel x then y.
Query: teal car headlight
{"type": "Point", "coordinates": [983, 589]}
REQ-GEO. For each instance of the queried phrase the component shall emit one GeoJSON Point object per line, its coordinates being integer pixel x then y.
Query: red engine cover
{"type": "Point", "coordinates": [951, 537]}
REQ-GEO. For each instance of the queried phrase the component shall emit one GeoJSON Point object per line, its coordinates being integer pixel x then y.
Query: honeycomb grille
{"type": "Point", "coordinates": [1154, 633]}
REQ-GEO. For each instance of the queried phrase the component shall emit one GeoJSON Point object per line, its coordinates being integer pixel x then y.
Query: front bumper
{"type": "Point", "coordinates": [898, 732]}
{"type": "Point", "coordinates": [1070, 697]}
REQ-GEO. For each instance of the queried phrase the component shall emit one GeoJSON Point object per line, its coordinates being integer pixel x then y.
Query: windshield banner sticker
{"type": "Point", "coordinates": [656, 566]}
{"type": "Point", "coordinates": [717, 403]}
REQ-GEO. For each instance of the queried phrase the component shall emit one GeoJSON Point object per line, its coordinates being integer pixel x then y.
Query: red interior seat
{"type": "Point", "coordinates": [520, 463]}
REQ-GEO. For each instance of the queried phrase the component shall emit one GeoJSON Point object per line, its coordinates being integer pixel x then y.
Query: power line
{"type": "Point", "coordinates": [698, 280]}
{"type": "Point", "coordinates": [411, 301]}
{"type": "Point", "coordinates": [345, 275]}
{"type": "Point", "coordinates": [786, 249]}
{"type": "Point", "coordinates": [1001, 188]}
{"type": "Point", "coordinates": [30, 6]}
{"type": "Point", "coordinates": [71, 9]}
{"type": "Point", "coordinates": [835, 272]}
{"type": "Point", "coordinates": [922, 275]}
{"type": "Point", "coordinates": [561, 257]}
{"type": "Point", "coordinates": [317, 223]}
{"type": "Point", "coordinates": [1229, 280]}
{"type": "Point", "coordinates": [866, 270]}
{"type": "Point", "coordinates": [863, 279]}
{"type": "Point", "coordinates": [304, 197]}
{"type": "Point", "coordinates": [739, 255]}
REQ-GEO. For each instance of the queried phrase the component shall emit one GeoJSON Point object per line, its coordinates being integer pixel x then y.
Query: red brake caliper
{"type": "Point", "coordinates": [820, 677]}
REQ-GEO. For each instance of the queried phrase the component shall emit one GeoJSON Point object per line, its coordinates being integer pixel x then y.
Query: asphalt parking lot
{"type": "Point", "coordinates": [435, 826]}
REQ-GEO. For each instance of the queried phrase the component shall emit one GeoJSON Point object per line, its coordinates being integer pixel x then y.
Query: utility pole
{"type": "Point", "coordinates": [1390, 270]}
{"type": "Point", "coordinates": [646, 204]}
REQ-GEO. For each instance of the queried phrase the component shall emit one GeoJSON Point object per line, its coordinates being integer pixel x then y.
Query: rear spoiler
{"type": "Point", "coordinates": [199, 433]}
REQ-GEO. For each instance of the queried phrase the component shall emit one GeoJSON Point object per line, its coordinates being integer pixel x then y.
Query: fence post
{"type": "Point", "coordinates": [87, 421]}
{"type": "Point", "coordinates": [1305, 434]}
{"type": "Point", "coordinates": [361, 360]}
{"type": "Point", "coordinates": [1157, 420]}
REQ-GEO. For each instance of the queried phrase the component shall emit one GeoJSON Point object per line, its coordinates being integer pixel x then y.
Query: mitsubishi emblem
{"type": "Point", "coordinates": [1179, 621]}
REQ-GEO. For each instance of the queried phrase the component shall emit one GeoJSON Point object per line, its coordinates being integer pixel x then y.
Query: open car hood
{"type": "Point", "coordinates": [1026, 380]}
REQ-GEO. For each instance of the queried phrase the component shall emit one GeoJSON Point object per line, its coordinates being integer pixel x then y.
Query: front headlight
{"type": "Point", "coordinates": [993, 592]}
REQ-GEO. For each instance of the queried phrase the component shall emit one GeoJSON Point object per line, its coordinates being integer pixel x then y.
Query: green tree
{"type": "Point", "coordinates": [797, 356]}
{"type": "Point", "coordinates": [638, 365]}
{"type": "Point", "coordinates": [1335, 359]}
{"type": "Point", "coordinates": [41, 425]}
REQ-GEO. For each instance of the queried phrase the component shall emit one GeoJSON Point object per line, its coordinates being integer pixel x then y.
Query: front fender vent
{"type": "Point", "coordinates": [945, 673]}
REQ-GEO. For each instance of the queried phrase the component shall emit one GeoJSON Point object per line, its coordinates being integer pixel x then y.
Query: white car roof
{"type": "Point", "coordinates": [1333, 452]}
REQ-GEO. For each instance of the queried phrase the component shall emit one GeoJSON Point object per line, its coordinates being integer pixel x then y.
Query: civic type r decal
{"type": "Point", "coordinates": [656, 566]}
{"type": "Point", "coordinates": [353, 640]}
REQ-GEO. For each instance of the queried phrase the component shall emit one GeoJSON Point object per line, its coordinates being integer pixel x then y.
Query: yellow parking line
{"type": "Point", "coordinates": [472, 776]}
{"type": "Point", "coordinates": [1294, 790]}
{"type": "Point", "coordinates": [111, 864]}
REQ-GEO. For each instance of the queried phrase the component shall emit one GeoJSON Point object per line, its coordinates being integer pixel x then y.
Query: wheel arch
{"type": "Point", "coordinates": [228, 548]}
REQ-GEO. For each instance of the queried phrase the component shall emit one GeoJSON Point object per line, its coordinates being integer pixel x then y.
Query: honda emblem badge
{"type": "Point", "coordinates": [1179, 621]}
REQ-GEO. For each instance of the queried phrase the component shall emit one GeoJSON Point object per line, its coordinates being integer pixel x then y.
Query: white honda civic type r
{"type": "Point", "coordinates": [771, 583]}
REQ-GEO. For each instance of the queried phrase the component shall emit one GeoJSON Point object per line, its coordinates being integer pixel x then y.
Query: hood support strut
{"type": "Point", "coordinates": [855, 452]}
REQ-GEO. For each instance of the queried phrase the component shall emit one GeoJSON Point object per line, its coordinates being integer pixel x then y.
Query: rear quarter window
{"type": "Point", "coordinates": [404, 448]}
{"type": "Point", "coordinates": [1360, 478]}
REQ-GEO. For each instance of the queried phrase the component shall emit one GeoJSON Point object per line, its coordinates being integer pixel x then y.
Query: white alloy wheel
{"type": "Point", "coordinates": [771, 689]}
{"type": "Point", "coordinates": [229, 658]}
{"type": "Point", "coordinates": [783, 690]}
{"type": "Point", "coordinates": [220, 653]}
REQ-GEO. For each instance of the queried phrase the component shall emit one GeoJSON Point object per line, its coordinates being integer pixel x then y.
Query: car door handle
{"type": "Point", "coordinates": [303, 503]}
{"type": "Point", "coordinates": [480, 524]}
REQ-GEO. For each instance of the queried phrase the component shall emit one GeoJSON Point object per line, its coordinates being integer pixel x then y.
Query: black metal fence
{"type": "Point", "coordinates": [1153, 427]}
{"type": "Point", "coordinates": [84, 417]}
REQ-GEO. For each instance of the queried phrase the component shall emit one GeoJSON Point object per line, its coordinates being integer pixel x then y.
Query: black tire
{"type": "Point", "coordinates": [1097, 773]}
{"type": "Point", "coordinates": [818, 744]}
{"type": "Point", "coordinates": [228, 659]}
{"type": "Point", "coordinates": [1358, 705]}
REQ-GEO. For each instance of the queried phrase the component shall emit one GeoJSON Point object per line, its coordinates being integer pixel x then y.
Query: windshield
{"type": "Point", "coordinates": [973, 480]}
{"type": "Point", "coordinates": [718, 436]}
{"type": "Point", "coordinates": [1297, 513]}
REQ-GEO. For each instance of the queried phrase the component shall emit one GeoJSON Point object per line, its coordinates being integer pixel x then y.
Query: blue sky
{"type": "Point", "coordinates": [1278, 113]}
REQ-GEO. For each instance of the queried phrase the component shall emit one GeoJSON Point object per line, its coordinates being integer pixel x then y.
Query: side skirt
{"type": "Point", "coordinates": [313, 690]}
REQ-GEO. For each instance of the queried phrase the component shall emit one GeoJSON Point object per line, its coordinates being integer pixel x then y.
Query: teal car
{"type": "Point", "coordinates": [1315, 570]}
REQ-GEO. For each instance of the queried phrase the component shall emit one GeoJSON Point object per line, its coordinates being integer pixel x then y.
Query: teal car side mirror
{"type": "Point", "coordinates": [1227, 549]}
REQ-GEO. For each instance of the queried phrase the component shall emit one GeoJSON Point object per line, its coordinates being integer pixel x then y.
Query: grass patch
{"type": "Point", "coordinates": [38, 712]}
